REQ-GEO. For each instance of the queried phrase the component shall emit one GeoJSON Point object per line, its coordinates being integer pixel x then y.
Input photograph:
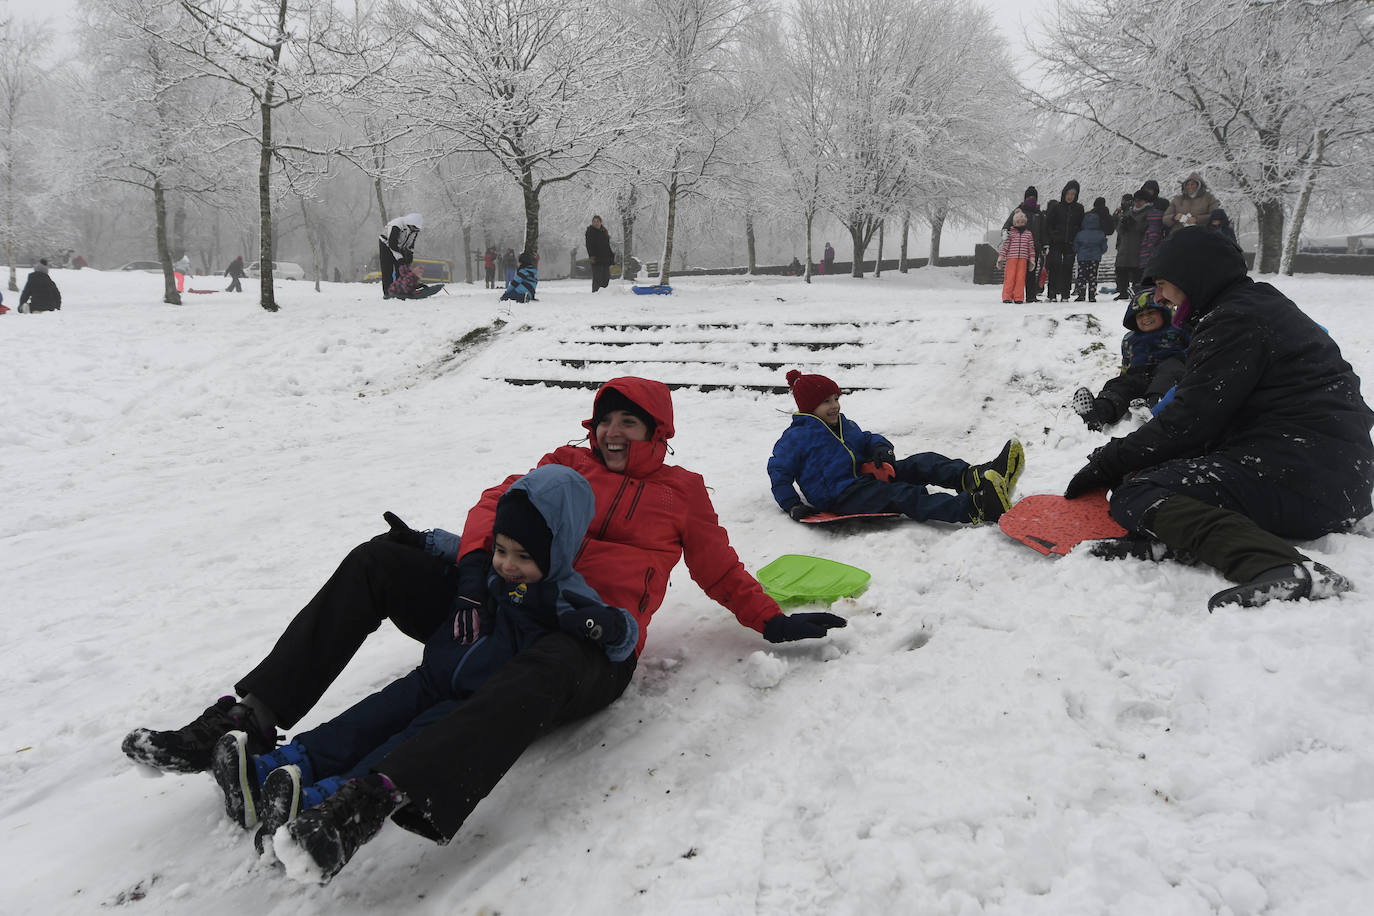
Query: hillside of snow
{"type": "Point", "coordinates": [994, 733]}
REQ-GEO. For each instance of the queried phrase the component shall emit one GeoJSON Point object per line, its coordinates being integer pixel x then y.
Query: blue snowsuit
{"type": "Point", "coordinates": [825, 463]}
{"type": "Point", "coordinates": [352, 742]}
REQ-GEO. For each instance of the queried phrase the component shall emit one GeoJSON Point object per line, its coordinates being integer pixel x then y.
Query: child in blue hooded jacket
{"type": "Point", "coordinates": [540, 523]}
{"type": "Point", "coordinates": [1089, 245]}
{"type": "Point", "coordinates": [522, 285]}
{"type": "Point", "coordinates": [845, 470]}
{"type": "Point", "coordinates": [1153, 352]}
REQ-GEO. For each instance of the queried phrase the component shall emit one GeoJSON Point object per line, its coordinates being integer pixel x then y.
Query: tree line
{"type": "Point", "coordinates": [236, 125]}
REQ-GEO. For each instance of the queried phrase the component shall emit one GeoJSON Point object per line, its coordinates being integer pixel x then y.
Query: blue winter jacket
{"type": "Point", "coordinates": [1090, 244]}
{"type": "Point", "coordinates": [521, 289]}
{"type": "Point", "coordinates": [822, 460]}
{"type": "Point", "coordinates": [527, 613]}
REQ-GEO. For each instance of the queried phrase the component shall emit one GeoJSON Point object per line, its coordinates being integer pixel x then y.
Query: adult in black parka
{"type": "Point", "coordinates": [40, 292]}
{"type": "Point", "coordinates": [1063, 219]}
{"type": "Point", "coordinates": [1266, 437]}
{"type": "Point", "coordinates": [600, 254]}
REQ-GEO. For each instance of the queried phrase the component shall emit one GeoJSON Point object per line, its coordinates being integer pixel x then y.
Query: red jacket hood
{"type": "Point", "coordinates": [657, 400]}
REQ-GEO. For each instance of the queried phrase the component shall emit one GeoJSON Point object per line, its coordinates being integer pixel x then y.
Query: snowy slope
{"type": "Point", "coordinates": [994, 733]}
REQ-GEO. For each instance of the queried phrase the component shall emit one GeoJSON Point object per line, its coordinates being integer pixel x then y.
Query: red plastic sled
{"type": "Point", "coordinates": [1052, 525]}
{"type": "Point", "coordinates": [824, 518]}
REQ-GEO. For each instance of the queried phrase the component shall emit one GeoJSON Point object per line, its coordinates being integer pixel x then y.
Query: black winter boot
{"type": "Point", "coordinates": [188, 749]}
{"type": "Point", "coordinates": [1008, 463]}
{"type": "Point", "coordinates": [1284, 583]}
{"type": "Point", "coordinates": [330, 833]}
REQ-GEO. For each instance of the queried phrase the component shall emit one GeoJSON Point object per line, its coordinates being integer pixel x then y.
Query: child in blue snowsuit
{"type": "Point", "coordinates": [1089, 245]}
{"type": "Point", "coordinates": [540, 523]}
{"type": "Point", "coordinates": [846, 470]}
{"type": "Point", "coordinates": [521, 286]}
{"type": "Point", "coordinates": [1153, 353]}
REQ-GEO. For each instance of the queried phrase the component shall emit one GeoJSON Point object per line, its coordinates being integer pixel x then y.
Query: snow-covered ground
{"type": "Point", "coordinates": [995, 732]}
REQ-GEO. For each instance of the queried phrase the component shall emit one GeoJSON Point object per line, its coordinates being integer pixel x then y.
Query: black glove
{"type": "Point", "coordinates": [402, 533]}
{"type": "Point", "coordinates": [471, 615]}
{"type": "Point", "coordinates": [789, 627]}
{"type": "Point", "coordinates": [800, 511]}
{"type": "Point", "coordinates": [884, 454]}
{"type": "Point", "coordinates": [1091, 477]}
{"type": "Point", "coordinates": [603, 625]}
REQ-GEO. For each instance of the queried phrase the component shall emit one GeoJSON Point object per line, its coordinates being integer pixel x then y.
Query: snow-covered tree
{"type": "Point", "coordinates": [546, 87]}
{"type": "Point", "coordinates": [23, 46]}
{"type": "Point", "coordinates": [1262, 97]}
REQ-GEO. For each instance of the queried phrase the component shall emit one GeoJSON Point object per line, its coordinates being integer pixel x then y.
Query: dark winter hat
{"type": "Point", "coordinates": [1152, 186]}
{"type": "Point", "coordinates": [518, 520]}
{"type": "Point", "coordinates": [611, 399]}
{"type": "Point", "coordinates": [810, 390]}
{"type": "Point", "coordinates": [1202, 264]}
{"type": "Point", "coordinates": [1030, 192]}
{"type": "Point", "coordinates": [1099, 203]}
{"type": "Point", "coordinates": [1140, 303]}
{"type": "Point", "coordinates": [525, 259]}
{"type": "Point", "coordinates": [1142, 194]}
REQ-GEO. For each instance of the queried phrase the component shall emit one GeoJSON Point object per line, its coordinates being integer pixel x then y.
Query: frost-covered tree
{"type": "Point", "coordinates": [148, 110]}
{"type": "Point", "coordinates": [546, 87]}
{"type": "Point", "coordinates": [1261, 96]}
{"type": "Point", "coordinates": [697, 74]}
{"type": "Point", "coordinates": [23, 46]}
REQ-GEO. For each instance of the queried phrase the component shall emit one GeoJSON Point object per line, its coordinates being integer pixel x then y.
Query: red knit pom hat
{"type": "Point", "coordinates": [810, 390]}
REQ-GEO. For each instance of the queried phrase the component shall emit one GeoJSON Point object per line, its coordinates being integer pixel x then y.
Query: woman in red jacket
{"type": "Point", "coordinates": [648, 516]}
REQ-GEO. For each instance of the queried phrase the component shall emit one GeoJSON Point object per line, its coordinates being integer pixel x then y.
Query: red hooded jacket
{"type": "Point", "coordinates": [646, 520]}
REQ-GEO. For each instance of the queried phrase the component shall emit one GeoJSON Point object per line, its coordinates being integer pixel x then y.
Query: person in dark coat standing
{"type": "Point", "coordinates": [1035, 222]}
{"type": "Point", "coordinates": [1130, 229]}
{"type": "Point", "coordinates": [1155, 229]}
{"type": "Point", "coordinates": [600, 254]}
{"type": "Point", "coordinates": [1266, 439]}
{"type": "Point", "coordinates": [1063, 219]}
{"type": "Point", "coordinates": [40, 292]}
{"type": "Point", "coordinates": [828, 259]}
{"type": "Point", "coordinates": [235, 273]}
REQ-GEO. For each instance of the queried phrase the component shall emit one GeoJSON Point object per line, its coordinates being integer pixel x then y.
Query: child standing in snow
{"type": "Point", "coordinates": [540, 523]}
{"type": "Point", "coordinates": [522, 284]}
{"type": "Point", "coordinates": [843, 469]}
{"type": "Point", "coordinates": [1152, 358]}
{"type": "Point", "coordinates": [1089, 245]}
{"type": "Point", "coordinates": [1018, 254]}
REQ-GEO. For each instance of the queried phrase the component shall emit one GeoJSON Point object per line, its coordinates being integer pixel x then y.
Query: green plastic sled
{"type": "Point", "coordinates": [796, 579]}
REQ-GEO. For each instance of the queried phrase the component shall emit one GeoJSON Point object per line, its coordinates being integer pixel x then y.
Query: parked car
{"type": "Point", "coordinates": [151, 267]}
{"type": "Point", "coordinates": [435, 270]}
{"type": "Point", "coordinates": [281, 270]}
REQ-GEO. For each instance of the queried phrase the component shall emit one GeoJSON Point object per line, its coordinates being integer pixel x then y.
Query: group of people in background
{"type": "Point", "coordinates": [1058, 249]}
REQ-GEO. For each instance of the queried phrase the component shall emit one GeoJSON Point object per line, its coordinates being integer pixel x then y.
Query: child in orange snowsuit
{"type": "Point", "coordinates": [1017, 253]}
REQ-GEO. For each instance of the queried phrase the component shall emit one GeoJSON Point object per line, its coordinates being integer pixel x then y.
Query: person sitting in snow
{"type": "Point", "coordinates": [522, 285]}
{"type": "Point", "coordinates": [1152, 355]}
{"type": "Point", "coordinates": [649, 515]}
{"type": "Point", "coordinates": [1265, 440]}
{"type": "Point", "coordinates": [848, 471]}
{"type": "Point", "coordinates": [40, 293]}
{"type": "Point", "coordinates": [533, 591]}
{"type": "Point", "coordinates": [407, 284]}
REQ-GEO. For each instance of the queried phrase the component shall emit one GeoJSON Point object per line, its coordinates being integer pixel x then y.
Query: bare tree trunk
{"type": "Point", "coordinates": [937, 226]}
{"type": "Point", "coordinates": [314, 242]}
{"type": "Point", "coordinates": [664, 269]}
{"type": "Point", "coordinates": [810, 218]}
{"type": "Point", "coordinates": [530, 192]}
{"type": "Point", "coordinates": [878, 264]}
{"type": "Point", "coordinates": [626, 202]}
{"type": "Point", "coordinates": [164, 252]}
{"type": "Point", "coordinates": [1304, 199]}
{"type": "Point", "coordinates": [906, 235]}
{"type": "Point", "coordinates": [467, 253]}
{"type": "Point", "coordinates": [267, 298]}
{"type": "Point", "coordinates": [9, 219]}
{"type": "Point", "coordinates": [749, 240]}
{"type": "Point", "coordinates": [856, 239]}
{"type": "Point", "coordinates": [1269, 216]}
{"type": "Point", "coordinates": [381, 203]}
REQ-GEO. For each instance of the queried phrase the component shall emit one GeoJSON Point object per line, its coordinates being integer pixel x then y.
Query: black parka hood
{"type": "Point", "coordinates": [1202, 264]}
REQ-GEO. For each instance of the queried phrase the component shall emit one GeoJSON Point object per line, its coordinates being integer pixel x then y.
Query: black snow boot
{"type": "Point", "coordinates": [1008, 463]}
{"type": "Point", "coordinates": [330, 833]}
{"type": "Point", "coordinates": [188, 749]}
{"type": "Point", "coordinates": [1284, 583]}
